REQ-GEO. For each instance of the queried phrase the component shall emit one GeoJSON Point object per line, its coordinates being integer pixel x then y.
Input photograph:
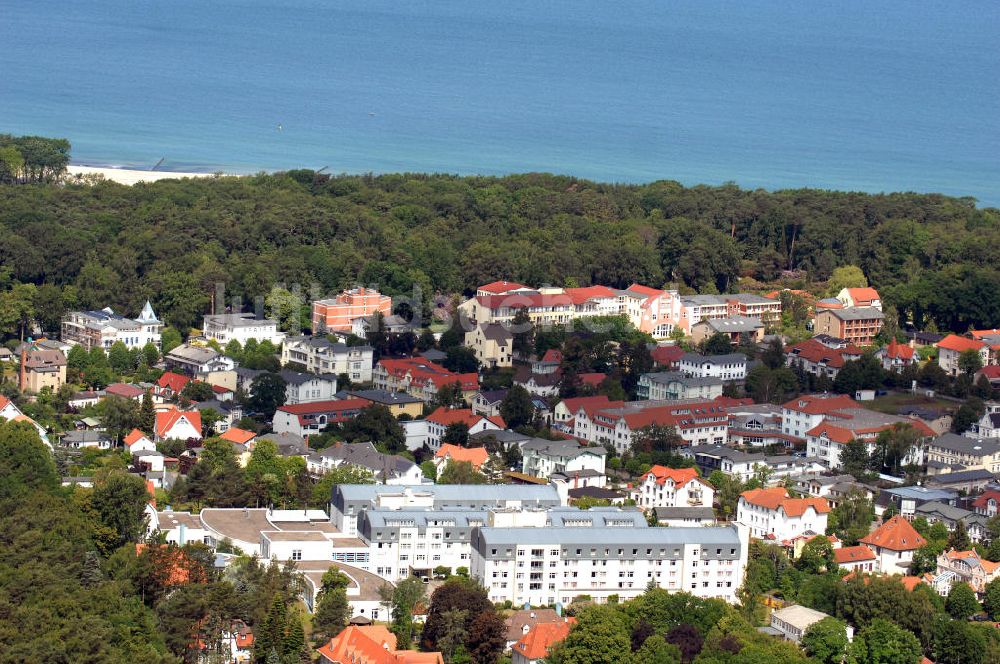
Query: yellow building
{"type": "Point", "coordinates": [40, 369]}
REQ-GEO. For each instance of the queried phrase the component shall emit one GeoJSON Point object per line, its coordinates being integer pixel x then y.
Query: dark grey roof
{"type": "Point", "coordinates": [496, 332]}
{"type": "Point", "coordinates": [857, 313]}
{"type": "Point", "coordinates": [561, 448]}
{"type": "Point", "coordinates": [596, 492]}
{"type": "Point", "coordinates": [501, 436]}
{"type": "Point", "coordinates": [966, 445]}
{"type": "Point", "coordinates": [666, 377]}
{"type": "Point", "coordinates": [733, 324]}
{"type": "Point", "coordinates": [79, 437]}
{"type": "Point", "coordinates": [434, 355]}
{"type": "Point", "coordinates": [383, 396]}
{"type": "Point", "coordinates": [366, 456]}
{"type": "Point", "coordinates": [289, 444]}
{"type": "Point", "coordinates": [493, 396]}
{"type": "Point", "coordinates": [663, 513]}
{"type": "Point", "coordinates": [730, 358]}
{"type": "Point", "coordinates": [238, 320]}
{"type": "Point", "coordinates": [962, 476]}
{"type": "Point", "coordinates": [299, 378]}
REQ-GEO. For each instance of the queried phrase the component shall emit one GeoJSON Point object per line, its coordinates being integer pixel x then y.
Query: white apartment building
{"type": "Point", "coordinates": [101, 329]}
{"type": "Point", "coordinates": [772, 514]}
{"type": "Point", "coordinates": [673, 487]}
{"type": "Point", "coordinates": [541, 566]}
{"type": "Point", "coordinates": [322, 356]}
{"type": "Point", "coordinates": [803, 413]}
{"type": "Point", "coordinates": [242, 328]}
{"type": "Point", "coordinates": [308, 387]}
{"type": "Point", "coordinates": [544, 458]}
{"type": "Point", "coordinates": [349, 501]}
{"type": "Point", "coordinates": [894, 543]}
{"type": "Point", "coordinates": [699, 422]}
{"type": "Point", "coordinates": [671, 385]}
{"type": "Point", "coordinates": [725, 367]}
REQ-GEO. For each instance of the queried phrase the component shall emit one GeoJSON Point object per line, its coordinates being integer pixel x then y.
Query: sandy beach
{"type": "Point", "coordinates": [129, 176]}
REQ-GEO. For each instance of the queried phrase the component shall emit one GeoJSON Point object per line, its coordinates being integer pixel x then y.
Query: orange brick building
{"type": "Point", "coordinates": [336, 314]}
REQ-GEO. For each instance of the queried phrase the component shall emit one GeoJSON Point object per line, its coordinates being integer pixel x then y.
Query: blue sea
{"type": "Point", "coordinates": [858, 95]}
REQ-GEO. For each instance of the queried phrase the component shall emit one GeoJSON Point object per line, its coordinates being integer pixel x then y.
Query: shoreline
{"type": "Point", "coordinates": [130, 176]}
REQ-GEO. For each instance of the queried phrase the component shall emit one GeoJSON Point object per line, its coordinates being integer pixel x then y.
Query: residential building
{"type": "Point", "coordinates": [349, 501]}
{"type": "Point", "coordinates": [856, 559]}
{"type": "Point", "coordinates": [828, 439]}
{"type": "Point", "coordinates": [476, 456]}
{"type": "Point", "coordinates": [322, 356]}
{"type": "Point", "coordinates": [951, 516]}
{"type": "Point", "coordinates": [543, 566]}
{"type": "Point", "coordinates": [745, 466]}
{"type": "Point", "coordinates": [420, 378]}
{"type": "Point", "coordinates": [492, 343]}
{"type": "Point", "coordinates": [672, 385]}
{"type": "Point", "coordinates": [772, 514]}
{"type": "Point", "coordinates": [102, 328]}
{"type": "Point", "coordinates": [195, 360]}
{"type": "Point", "coordinates": [523, 621]}
{"type": "Point", "coordinates": [125, 391]}
{"type": "Point", "coordinates": [992, 339]}
{"type": "Point", "coordinates": [988, 425]}
{"type": "Point", "coordinates": [177, 424]}
{"type": "Point", "coordinates": [967, 481]}
{"type": "Point", "coordinates": [905, 500]}
{"type": "Point", "coordinates": [535, 646]}
{"type": "Point", "coordinates": [895, 356]}
{"type": "Point", "coordinates": [371, 644]}
{"type": "Point", "coordinates": [241, 327]}
{"type": "Point", "coordinates": [83, 439]}
{"type": "Point", "coordinates": [988, 504]}
{"type": "Point", "coordinates": [170, 385]}
{"type": "Point", "coordinates": [398, 403]}
{"type": "Point", "coordinates": [11, 413]}
{"type": "Point", "coordinates": [968, 567]}
{"type": "Point", "coordinates": [856, 325]}
{"type": "Point", "coordinates": [487, 402]}
{"type": "Point", "coordinates": [565, 412]}
{"type": "Point", "coordinates": [970, 453]}
{"type": "Point", "coordinates": [339, 313]}
{"type": "Point", "coordinates": [666, 355]}
{"type": "Point", "coordinates": [385, 468]}
{"type": "Point", "coordinates": [439, 421]}
{"type": "Point", "coordinates": [758, 425]}
{"type": "Point", "coordinates": [545, 458]}
{"type": "Point", "coordinates": [860, 297]}
{"type": "Point", "coordinates": [739, 329]}
{"type": "Point", "coordinates": [726, 367]}
{"type": "Point", "coordinates": [308, 387]}
{"type": "Point", "coordinates": [698, 422]}
{"type": "Point", "coordinates": [805, 412]}
{"type": "Point", "coordinates": [673, 487]}
{"type": "Point", "coordinates": [678, 517]}
{"type": "Point", "coordinates": [40, 369]}
{"type": "Point", "coordinates": [792, 622]}
{"type": "Point", "coordinates": [137, 441]}
{"type": "Point", "coordinates": [950, 349]}
{"type": "Point", "coordinates": [305, 419]}
{"type": "Point", "coordinates": [819, 359]}
{"type": "Point", "coordinates": [893, 543]}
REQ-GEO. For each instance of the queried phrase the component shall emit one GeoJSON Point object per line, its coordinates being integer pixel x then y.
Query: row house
{"type": "Point", "coordinates": [102, 328]}
{"type": "Point", "coordinates": [673, 487]}
{"type": "Point", "coordinates": [338, 314]}
{"type": "Point", "coordinates": [420, 378]}
{"type": "Point", "coordinates": [772, 514]}
{"type": "Point", "coordinates": [304, 419]}
{"type": "Point", "coordinates": [322, 356]}
{"type": "Point", "coordinates": [856, 325]}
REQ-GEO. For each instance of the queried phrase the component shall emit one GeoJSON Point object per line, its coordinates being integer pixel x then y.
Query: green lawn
{"type": "Point", "coordinates": [893, 402]}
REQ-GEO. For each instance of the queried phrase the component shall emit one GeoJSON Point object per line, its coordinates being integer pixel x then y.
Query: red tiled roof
{"type": "Point", "coordinates": [862, 296]}
{"type": "Point", "coordinates": [166, 420]}
{"type": "Point", "coordinates": [666, 355]}
{"type": "Point", "coordinates": [423, 371]}
{"type": "Point", "coordinates": [552, 355]}
{"type": "Point", "coordinates": [477, 456]}
{"type": "Point", "coordinates": [816, 353]}
{"type": "Point", "coordinates": [777, 498]}
{"type": "Point", "coordinates": [573, 405]}
{"type": "Point", "coordinates": [985, 497]}
{"type": "Point", "coordinates": [237, 435]}
{"type": "Point", "coordinates": [898, 351]}
{"type": "Point", "coordinates": [371, 644]}
{"type": "Point", "coordinates": [593, 379]}
{"type": "Point", "coordinates": [853, 554]}
{"type": "Point", "coordinates": [331, 406]}
{"type": "Point", "coordinates": [680, 476]}
{"type": "Point", "coordinates": [446, 416]}
{"type": "Point", "coordinates": [133, 437]}
{"type": "Point", "coordinates": [124, 390]}
{"type": "Point", "coordinates": [500, 287]}
{"type": "Point", "coordinates": [816, 404]}
{"type": "Point", "coordinates": [219, 389]}
{"type": "Point", "coordinates": [681, 416]}
{"type": "Point", "coordinates": [537, 643]}
{"type": "Point", "coordinates": [581, 295]}
{"type": "Point", "coordinates": [645, 290]}
{"type": "Point", "coordinates": [521, 300]}
{"type": "Point", "coordinates": [959, 344]}
{"type": "Point", "coordinates": [988, 566]}
{"type": "Point", "coordinates": [896, 534]}
{"type": "Point", "coordinates": [992, 372]}
{"type": "Point", "coordinates": [173, 381]}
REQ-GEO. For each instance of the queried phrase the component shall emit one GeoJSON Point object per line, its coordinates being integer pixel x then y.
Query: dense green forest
{"type": "Point", "coordinates": [933, 257]}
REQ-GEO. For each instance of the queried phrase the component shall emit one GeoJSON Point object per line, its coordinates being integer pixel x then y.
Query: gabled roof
{"type": "Point", "coordinates": [537, 643]}
{"type": "Point", "coordinates": [819, 404]}
{"type": "Point", "coordinates": [237, 435]}
{"type": "Point", "coordinates": [972, 558]}
{"type": "Point", "coordinates": [816, 352]}
{"type": "Point", "coordinates": [898, 351]}
{"type": "Point", "coordinates": [680, 476]}
{"type": "Point", "coordinates": [861, 296]}
{"type": "Point", "coordinates": [321, 407]}
{"type": "Point", "coordinates": [167, 420]}
{"type": "Point", "coordinates": [477, 456]}
{"type": "Point", "coordinates": [960, 344]}
{"type": "Point", "coordinates": [501, 287]}
{"type": "Point", "coordinates": [989, 494]}
{"type": "Point", "coordinates": [447, 416]}
{"type": "Point", "coordinates": [666, 355]}
{"type": "Point", "coordinates": [896, 534]}
{"type": "Point", "coordinates": [574, 404]}
{"type": "Point", "coordinates": [552, 356]}
{"type": "Point", "coordinates": [777, 498]}
{"type": "Point", "coordinates": [852, 554]}
{"type": "Point", "coordinates": [133, 437]}
{"type": "Point", "coordinates": [581, 295]}
{"type": "Point", "coordinates": [857, 313]}
{"type": "Point", "coordinates": [173, 381]}
{"type": "Point", "coordinates": [371, 644]}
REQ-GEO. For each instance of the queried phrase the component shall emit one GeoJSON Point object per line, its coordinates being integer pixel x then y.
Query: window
{"type": "Point", "coordinates": [296, 554]}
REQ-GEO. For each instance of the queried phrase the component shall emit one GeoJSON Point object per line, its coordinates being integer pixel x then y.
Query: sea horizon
{"type": "Point", "coordinates": [896, 98]}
